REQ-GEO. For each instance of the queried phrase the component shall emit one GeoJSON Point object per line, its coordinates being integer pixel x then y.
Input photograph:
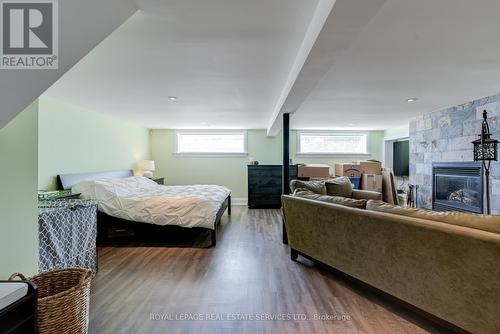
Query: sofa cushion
{"type": "Point", "coordinates": [350, 202]}
{"type": "Point", "coordinates": [317, 187]}
{"type": "Point", "coordinates": [480, 222]}
{"type": "Point", "coordinates": [366, 194]}
{"type": "Point", "coordinates": [339, 186]}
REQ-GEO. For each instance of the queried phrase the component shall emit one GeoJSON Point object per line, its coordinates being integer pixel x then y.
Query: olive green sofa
{"type": "Point", "coordinates": [450, 271]}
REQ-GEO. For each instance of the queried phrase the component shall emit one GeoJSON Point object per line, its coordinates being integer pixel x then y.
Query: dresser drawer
{"type": "Point", "coordinates": [265, 202]}
{"type": "Point", "coordinates": [266, 181]}
{"type": "Point", "coordinates": [269, 188]}
{"type": "Point", "coordinates": [269, 173]}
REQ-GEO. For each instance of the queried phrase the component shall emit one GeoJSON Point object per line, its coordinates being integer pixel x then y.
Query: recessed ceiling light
{"type": "Point", "coordinates": [172, 98]}
{"type": "Point", "coordinates": [411, 99]}
{"type": "Point", "coordinates": [204, 123]}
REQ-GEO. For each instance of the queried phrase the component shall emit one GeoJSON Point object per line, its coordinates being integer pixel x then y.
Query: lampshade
{"type": "Point", "coordinates": [147, 165]}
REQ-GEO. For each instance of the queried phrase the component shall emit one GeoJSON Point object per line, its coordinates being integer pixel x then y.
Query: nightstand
{"type": "Point", "coordinates": [159, 180]}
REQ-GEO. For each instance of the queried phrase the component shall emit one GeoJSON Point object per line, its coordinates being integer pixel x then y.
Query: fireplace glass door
{"type": "Point", "coordinates": [460, 192]}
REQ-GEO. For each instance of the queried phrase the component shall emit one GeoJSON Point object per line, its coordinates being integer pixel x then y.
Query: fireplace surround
{"type": "Point", "coordinates": [447, 135]}
{"type": "Point", "coordinates": [457, 186]}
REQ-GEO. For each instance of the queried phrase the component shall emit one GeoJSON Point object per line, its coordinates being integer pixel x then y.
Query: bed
{"type": "Point", "coordinates": [130, 206]}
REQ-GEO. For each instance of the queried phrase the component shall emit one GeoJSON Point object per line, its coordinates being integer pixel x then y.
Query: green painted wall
{"type": "Point", "coordinates": [74, 140]}
{"type": "Point", "coordinates": [232, 171]}
{"type": "Point", "coordinates": [18, 194]}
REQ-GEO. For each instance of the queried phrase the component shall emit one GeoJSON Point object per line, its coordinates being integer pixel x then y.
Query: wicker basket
{"type": "Point", "coordinates": [63, 300]}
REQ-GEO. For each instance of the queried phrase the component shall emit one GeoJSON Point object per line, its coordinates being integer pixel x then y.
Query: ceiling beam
{"type": "Point", "coordinates": [320, 15]}
{"type": "Point", "coordinates": [331, 32]}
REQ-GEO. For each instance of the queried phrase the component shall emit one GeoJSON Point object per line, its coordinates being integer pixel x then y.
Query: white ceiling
{"type": "Point", "coordinates": [230, 62]}
{"type": "Point", "coordinates": [225, 60]}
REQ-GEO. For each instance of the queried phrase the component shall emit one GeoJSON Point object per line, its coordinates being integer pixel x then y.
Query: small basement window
{"type": "Point", "coordinates": [332, 142]}
{"type": "Point", "coordinates": [213, 142]}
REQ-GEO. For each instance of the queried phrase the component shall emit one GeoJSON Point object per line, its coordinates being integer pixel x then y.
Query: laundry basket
{"type": "Point", "coordinates": [63, 300]}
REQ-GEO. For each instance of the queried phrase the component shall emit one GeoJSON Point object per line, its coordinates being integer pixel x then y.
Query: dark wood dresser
{"type": "Point", "coordinates": [264, 185]}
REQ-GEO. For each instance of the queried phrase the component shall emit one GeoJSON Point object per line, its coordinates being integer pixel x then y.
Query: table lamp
{"type": "Point", "coordinates": [147, 167]}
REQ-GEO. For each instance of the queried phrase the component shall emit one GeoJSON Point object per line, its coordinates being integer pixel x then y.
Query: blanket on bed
{"type": "Point", "coordinates": [140, 199]}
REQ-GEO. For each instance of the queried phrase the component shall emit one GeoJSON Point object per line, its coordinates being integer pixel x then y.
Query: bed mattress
{"type": "Point", "coordinates": [140, 199]}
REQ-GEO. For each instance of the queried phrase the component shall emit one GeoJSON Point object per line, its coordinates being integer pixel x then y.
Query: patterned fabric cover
{"type": "Point", "coordinates": [67, 234]}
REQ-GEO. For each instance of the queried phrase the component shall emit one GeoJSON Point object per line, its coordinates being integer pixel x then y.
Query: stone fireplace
{"type": "Point", "coordinates": [446, 136]}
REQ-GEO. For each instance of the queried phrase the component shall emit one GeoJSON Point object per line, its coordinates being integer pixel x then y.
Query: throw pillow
{"type": "Point", "coordinates": [317, 187]}
{"type": "Point", "coordinates": [339, 186]}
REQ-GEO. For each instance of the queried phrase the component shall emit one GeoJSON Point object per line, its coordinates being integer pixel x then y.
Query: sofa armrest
{"type": "Point", "coordinates": [366, 194]}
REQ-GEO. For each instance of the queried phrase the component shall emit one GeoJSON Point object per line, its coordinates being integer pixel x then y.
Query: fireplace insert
{"type": "Point", "coordinates": [457, 186]}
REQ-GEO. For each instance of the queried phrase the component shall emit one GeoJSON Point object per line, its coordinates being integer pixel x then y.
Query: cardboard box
{"type": "Point", "coordinates": [348, 170]}
{"type": "Point", "coordinates": [370, 167]}
{"type": "Point", "coordinates": [372, 182]}
{"type": "Point", "coordinates": [314, 171]}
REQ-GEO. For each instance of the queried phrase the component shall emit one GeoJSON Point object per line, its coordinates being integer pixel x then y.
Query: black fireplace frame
{"type": "Point", "coordinates": [468, 168]}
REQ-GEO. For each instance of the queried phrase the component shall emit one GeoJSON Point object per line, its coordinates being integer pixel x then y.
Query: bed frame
{"type": "Point", "coordinates": [109, 228]}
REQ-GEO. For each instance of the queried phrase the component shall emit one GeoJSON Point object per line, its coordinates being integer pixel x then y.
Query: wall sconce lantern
{"type": "Point", "coordinates": [486, 150]}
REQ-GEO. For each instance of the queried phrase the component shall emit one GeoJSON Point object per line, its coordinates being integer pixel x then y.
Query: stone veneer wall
{"type": "Point", "coordinates": [446, 135]}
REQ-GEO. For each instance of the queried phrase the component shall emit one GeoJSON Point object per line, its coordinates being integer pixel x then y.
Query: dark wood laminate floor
{"type": "Point", "coordinates": [249, 274]}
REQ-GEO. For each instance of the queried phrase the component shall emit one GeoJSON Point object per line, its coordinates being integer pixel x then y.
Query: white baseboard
{"type": "Point", "coordinates": [242, 201]}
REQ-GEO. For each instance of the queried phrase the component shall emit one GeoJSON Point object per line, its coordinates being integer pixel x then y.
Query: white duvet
{"type": "Point", "coordinates": [140, 199]}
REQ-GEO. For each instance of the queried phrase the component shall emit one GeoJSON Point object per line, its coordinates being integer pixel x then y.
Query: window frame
{"type": "Point", "coordinates": [211, 132]}
{"type": "Point", "coordinates": [332, 132]}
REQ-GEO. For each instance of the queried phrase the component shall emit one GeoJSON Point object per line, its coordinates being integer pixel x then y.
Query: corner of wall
{"type": "Point", "coordinates": [18, 195]}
